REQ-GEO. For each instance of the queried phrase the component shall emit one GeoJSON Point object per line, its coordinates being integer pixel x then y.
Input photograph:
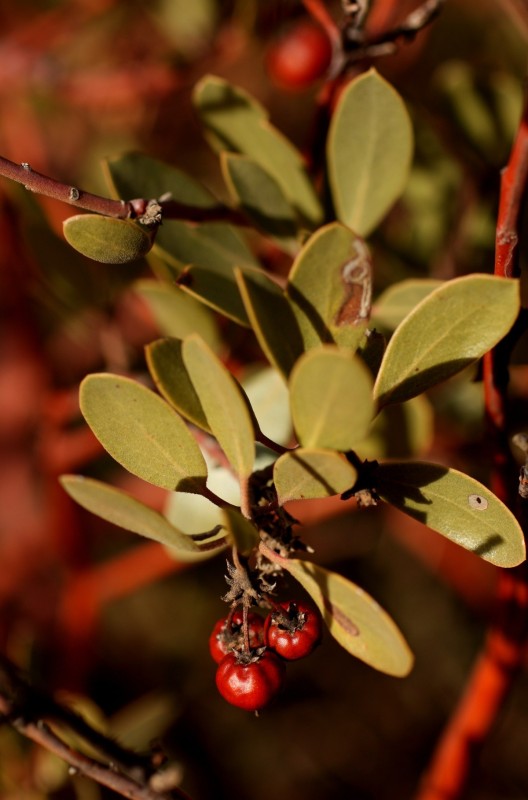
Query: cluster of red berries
{"type": "Point", "coordinates": [251, 677]}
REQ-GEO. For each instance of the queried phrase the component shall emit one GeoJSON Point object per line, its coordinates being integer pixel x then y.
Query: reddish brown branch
{"type": "Point", "coordinates": [505, 646]}
{"type": "Point", "coordinates": [170, 209]}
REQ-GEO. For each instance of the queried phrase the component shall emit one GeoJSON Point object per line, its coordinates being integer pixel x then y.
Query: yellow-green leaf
{"type": "Point", "coordinates": [452, 327]}
{"type": "Point", "coordinates": [353, 617]}
{"type": "Point", "coordinates": [331, 399]}
{"type": "Point", "coordinates": [369, 151]}
{"type": "Point", "coordinates": [309, 473]}
{"type": "Point", "coordinates": [261, 198]}
{"type": "Point", "coordinates": [169, 373]}
{"type": "Point", "coordinates": [142, 432]}
{"type": "Point", "coordinates": [178, 314]}
{"type": "Point", "coordinates": [459, 507]}
{"type": "Point", "coordinates": [108, 240]}
{"type": "Point", "coordinates": [272, 320]}
{"type": "Point", "coordinates": [119, 508]}
{"type": "Point", "coordinates": [224, 405]}
{"type": "Point", "coordinates": [236, 122]}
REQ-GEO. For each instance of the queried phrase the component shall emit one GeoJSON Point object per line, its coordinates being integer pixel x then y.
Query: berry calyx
{"type": "Point", "coordinates": [250, 680]}
{"type": "Point", "coordinates": [293, 630]}
{"type": "Point", "coordinates": [299, 57]}
{"type": "Point", "coordinates": [226, 637]}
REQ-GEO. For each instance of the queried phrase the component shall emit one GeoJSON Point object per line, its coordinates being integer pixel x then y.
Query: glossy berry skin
{"type": "Point", "coordinates": [222, 641]}
{"type": "Point", "coordinates": [293, 630]}
{"type": "Point", "coordinates": [253, 684]}
{"type": "Point", "coordinates": [300, 57]}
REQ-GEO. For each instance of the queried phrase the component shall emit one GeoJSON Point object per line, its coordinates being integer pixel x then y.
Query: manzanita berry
{"type": "Point", "coordinates": [223, 639]}
{"type": "Point", "coordinates": [293, 630]}
{"type": "Point", "coordinates": [250, 681]}
{"type": "Point", "coordinates": [299, 57]}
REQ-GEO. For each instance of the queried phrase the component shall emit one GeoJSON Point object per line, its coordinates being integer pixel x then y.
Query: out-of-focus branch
{"type": "Point", "coordinates": [33, 713]}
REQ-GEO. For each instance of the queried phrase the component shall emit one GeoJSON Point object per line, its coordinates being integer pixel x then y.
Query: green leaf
{"type": "Point", "coordinates": [452, 327]}
{"type": "Point", "coordinates": [169, 373]}
{"type": "Point", "coordinates": [242, 533]}
{"type": "Point", "coordinates": [261, 198]}
{"type": "Point", "coordinates": [135, 175]}
{"type": "Point", "coordinates": [354, 618]}
{"type": "Point", "coordinates": [369, 151]}
{"type": "Point", "coordinates": [393, 305]}
{"type": "Point", "coordinates": [329, 287]}
{"type": "Point", "coordinates": [306, 474]}
{"type": "Point", "coordinates": [225, 406]}
{"type": "Point", "coordinates": [142, 432]}
{"type": "Point", "coordinates": [176, 313]}
{"type": "Point", "coordinates": [331, 399]}
{"type": "Point", "coordinates": [108, 240]}
{"type": "Point", "coordinates": [119, 508]}
{"type": "Point", "coordinates": [236, 122]}
{"type": "Point", "coordinates": [272, 320]}
{"type": "Point", "coordinates": [202, 258]}
{"type": "Point", "coordinates": [459, 507]}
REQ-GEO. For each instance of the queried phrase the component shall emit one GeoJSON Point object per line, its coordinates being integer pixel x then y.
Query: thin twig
{"type": "Point", "coordinates": [36, 182]}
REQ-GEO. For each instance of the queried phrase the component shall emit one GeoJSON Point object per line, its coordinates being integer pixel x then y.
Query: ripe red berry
{"type": "Point", "coordinates": [250, 681]}
{"type": "Point", "coordinates": [222, 640]}
{"type": "Point", "coordinates": [293, 630]}
{"type": "Point", "coordinates": [299, 57]}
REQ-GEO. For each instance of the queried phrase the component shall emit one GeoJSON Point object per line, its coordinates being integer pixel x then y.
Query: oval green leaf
{"type": "Point", "coordinates": [178, 314]}
{"type": "Point", "coordinates": [169, 373]}
{"type": "Point", "coordinates": [224, 404]}
{"type": "Point", "coordinates": [272, 320]}
{"type": "Point", "coordinates": [331, 399]}
{"type": "Point", "coordinates": [108, 240]}
{"type": "Point", "coordinates": [452, 327]}
{"type": "Point", "coordinates": [353, 617]}
{"type": "Point", "coordinates": [261, 198]}
{"type": "Point", "coordinates": [237, 122]}
{"type": "Point", "coordinates": [306, 474]}
{"type": "Point", "coordinates": [369, 151]}
{"type": "Point", "coordinates": [455, 505]}
{"type": "Point", "coordinates": [119, 508]}
{"type": "Point", "coordinates": [329, 287]}
{"type": "Point", "coordinates": [393, 305]}
{"type": "Point", "coordinates": [142, 432]}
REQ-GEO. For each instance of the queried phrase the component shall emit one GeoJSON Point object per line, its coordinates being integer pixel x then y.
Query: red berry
{"type": "Point", "coordinates": [293, 630]}
{"type": "Point", "coordinates": [222, 640]}
{"type": "Point", "coordinates": [250, 681]}
{"type": "Point", "coordinates": [300, 57]}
